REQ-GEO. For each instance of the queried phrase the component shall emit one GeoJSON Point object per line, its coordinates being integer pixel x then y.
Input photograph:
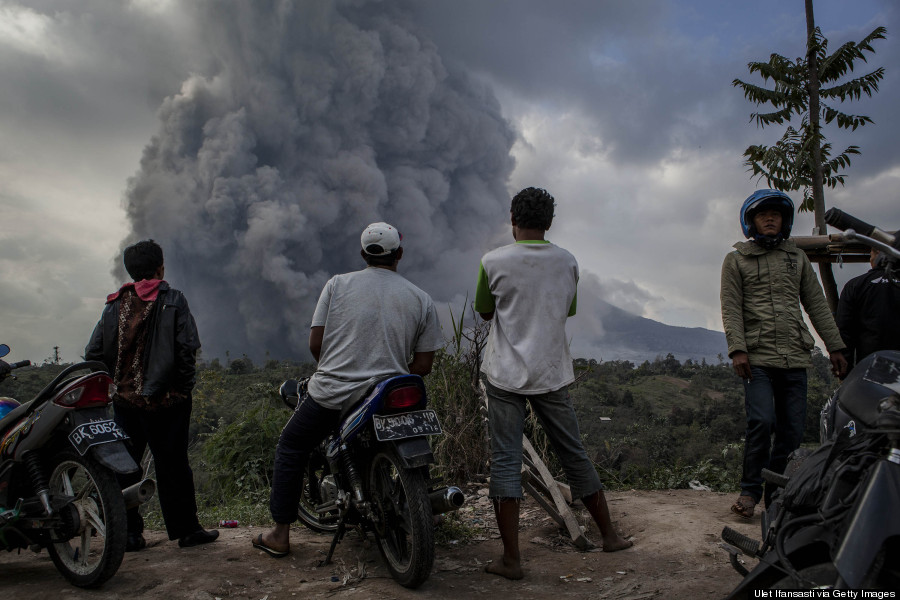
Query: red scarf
{"type": "Point", "coordinates": [146, 289]}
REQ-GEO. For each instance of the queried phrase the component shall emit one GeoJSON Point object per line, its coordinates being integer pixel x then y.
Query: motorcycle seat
{"type": "Point", "coordinates": [381, 386]}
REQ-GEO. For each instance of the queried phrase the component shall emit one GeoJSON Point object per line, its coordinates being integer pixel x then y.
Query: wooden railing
{"type": "Point", "coordinates": [832, 248]}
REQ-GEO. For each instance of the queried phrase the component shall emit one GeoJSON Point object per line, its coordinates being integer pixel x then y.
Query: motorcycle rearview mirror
{"type": "Point", "coordinates": [4, 350]}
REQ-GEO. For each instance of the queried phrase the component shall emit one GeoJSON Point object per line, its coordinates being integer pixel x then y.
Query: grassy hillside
{"type": "Point", "coordinates": [662, 424]}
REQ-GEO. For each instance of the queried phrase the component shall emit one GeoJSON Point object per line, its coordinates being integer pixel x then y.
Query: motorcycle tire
{"type": "Point", "coordinates": [403, 522]}
{"type": "Point", "coordinates": [93, 554]}
{"type": "Point", "coordinates": [314, 474]}
{"type": "Point", "coordinates": [822, 574]}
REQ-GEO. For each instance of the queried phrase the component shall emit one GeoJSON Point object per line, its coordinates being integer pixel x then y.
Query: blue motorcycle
{"type": "Point", "coordinates": [372, 473]}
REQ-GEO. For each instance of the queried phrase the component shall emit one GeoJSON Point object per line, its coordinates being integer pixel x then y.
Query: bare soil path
{"type": "Point", "coordinates": [675, 555]}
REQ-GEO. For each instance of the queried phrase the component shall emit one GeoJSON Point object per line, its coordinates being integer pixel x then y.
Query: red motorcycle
{"type": "Point", "coordinates": [59, 456]}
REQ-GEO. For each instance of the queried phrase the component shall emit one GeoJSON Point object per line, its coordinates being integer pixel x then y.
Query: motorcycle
{"type": "Point", "coordinates": [59, 456]}
{"type": "Point", "coordinates": [372, 473]}
{"type": "Point", "coordinates": [833, 522]}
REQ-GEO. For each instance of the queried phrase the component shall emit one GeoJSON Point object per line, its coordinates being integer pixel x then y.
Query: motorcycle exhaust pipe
{"type": "Point", "coordinates": [140, 492]}
{"type": "Point", "coordinates": [446, 499]}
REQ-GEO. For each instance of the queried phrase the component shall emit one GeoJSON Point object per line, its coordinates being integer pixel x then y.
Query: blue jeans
{"type": "Point", "coordinates": [308, 426]}
{"type": "Point", "coordinates": [775, 400]}
{"type": "Point", "coordinates": [506, 419]}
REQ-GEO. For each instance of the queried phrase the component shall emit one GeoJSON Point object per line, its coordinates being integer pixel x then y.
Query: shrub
{"type": "Point", "coordinates": [239, 456]}
{"type": "Point", "coordinates": [462, 451]}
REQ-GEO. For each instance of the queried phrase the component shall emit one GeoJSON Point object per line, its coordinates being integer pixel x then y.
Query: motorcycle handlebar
{"type": "Point", "coordinates": [874, 244]}
{"type": "Point", "coordinates": [843, 221]}
{"type": "Point", "coordinates": [21, 363]}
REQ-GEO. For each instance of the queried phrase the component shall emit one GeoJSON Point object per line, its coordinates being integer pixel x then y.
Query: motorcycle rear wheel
{"type": "Point", "coordinates": [404, 524]}
{"type": "Point", "coordinates": [94, 553]}
{"type": "Point", "coordinates": [314, 474]}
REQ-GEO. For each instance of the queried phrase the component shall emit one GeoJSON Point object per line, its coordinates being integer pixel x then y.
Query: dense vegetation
{"type": "Point", "coordinates": [661, 424]}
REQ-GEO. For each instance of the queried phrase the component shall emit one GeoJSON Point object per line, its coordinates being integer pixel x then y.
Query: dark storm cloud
{"type": "Point", "coordinates": [648, 78]}
{"type": "Point", "coordinates": [877, 141]}
{"type": "Point", "coordinates": [319, 118]}
{"type": "Point", "coordinates": [640, 88]}
{"type": "Point", "coordinates": [297, 122]}
{"type": "Point", "coordinates": [78, 62]}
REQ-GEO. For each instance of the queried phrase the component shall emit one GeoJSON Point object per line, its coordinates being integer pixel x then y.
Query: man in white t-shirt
{"type": "Point", "coordinates": [528, 290]}
{"type": "Point", "coordinates": [366, 326]}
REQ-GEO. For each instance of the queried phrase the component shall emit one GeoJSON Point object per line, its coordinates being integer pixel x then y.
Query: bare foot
{"type": "Point", "coordinates": [615, 543]}
{"type": "Point", "coordinates": [505, 568]}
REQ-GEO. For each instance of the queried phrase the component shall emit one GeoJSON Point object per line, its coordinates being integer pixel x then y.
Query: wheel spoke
{"type": "Point", "coordinates": [66, 481]}
{"type": "Point", "coordinates": [95, 519]}
{"type": "Point", "coordinates": [85, 547]}
{"type": "Point", "coordinates": [88, 489]}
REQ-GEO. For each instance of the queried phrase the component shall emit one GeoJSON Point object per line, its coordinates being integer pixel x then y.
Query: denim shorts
{"type": "Point", "coordinates": [554, 410]}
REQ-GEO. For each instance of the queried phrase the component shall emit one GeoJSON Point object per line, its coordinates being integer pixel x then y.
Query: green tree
{"type": "Point", "coordinates": [809, 89]}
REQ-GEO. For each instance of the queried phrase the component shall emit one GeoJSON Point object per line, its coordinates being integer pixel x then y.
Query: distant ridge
{"type": "Point", "coordinates": [627, 336]}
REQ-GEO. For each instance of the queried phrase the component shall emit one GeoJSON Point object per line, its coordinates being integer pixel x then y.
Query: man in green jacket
{"type": "Point", "coordinates": [768, 342]}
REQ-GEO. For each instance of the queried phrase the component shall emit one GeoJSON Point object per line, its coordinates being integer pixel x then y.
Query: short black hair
{"type": "Point", "coordinates": [384, 260]}
{"type": "Point", "coordinates": [532, 208]}
{"type": "Point", "coordinates": [143, 259]}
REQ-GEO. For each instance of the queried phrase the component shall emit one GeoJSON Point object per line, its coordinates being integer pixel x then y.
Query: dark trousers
{"type": "Point", "coordinates": [308, 426]}
{"type": "Point", "coordinates": [775, 400]}
{"type": "Point", "coordinates": [166, 432]}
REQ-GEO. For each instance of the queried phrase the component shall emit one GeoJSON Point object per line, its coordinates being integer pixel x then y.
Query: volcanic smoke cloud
{"type": "Point", "coordinates": [316, 119]}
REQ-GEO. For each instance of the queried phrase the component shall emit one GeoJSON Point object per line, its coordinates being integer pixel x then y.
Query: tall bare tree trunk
{"type": "Point", "coordinates": [825, 272]}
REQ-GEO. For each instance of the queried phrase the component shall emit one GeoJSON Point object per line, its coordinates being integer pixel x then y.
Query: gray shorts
{"type": "Point", "coordinates": [506, 418]}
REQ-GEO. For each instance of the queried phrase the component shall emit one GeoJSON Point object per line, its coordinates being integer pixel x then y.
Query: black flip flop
{"type": "Point", "coordinates": [258, 544]}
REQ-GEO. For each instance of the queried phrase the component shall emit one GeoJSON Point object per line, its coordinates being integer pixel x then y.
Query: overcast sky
{"type": "Point", "coordinates": [624, 111]}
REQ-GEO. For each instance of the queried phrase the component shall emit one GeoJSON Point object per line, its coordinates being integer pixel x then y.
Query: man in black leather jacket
{"type": "Point", "coordinates": [868, 314]}
{"type": "Point", "coordinates": [148, 341]}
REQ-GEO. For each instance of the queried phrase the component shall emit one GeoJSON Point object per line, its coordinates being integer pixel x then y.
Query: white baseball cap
{"type": "Point", "coordinates": [379, 239]}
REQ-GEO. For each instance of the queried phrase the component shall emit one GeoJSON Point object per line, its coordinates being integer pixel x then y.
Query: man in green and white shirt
{"type": "Point", "coordinates": [527, 348]}
{"type": "Point", "coordinates": [528, 290]}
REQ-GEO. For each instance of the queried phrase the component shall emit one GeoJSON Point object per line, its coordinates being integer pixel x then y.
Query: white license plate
{"type": "Point", "coordinates": [406, 425]}
{"type": "Point", "coordinates": [97, 432]}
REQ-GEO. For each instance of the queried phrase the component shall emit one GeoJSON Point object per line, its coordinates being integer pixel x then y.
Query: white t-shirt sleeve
{"type": "Point", "coordinates": [320, 315]}
{"type": "Point", "coordinates": [430, 336]}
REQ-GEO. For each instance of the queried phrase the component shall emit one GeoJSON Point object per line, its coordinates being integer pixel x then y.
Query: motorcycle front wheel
{"type": "Point", "coordinates": [822, 575]}
{"type": "Point", "coordinates": [317, 479]}
{"type": "Point", "coordinates": [88, 548]}
{"type": "Point", "coordinates": [404, 525]}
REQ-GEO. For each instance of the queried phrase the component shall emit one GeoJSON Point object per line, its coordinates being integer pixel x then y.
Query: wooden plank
{"type": "Point", "coordinates": [542, 500]}
{"type": "Point", "coordinates": [539, 485]}
{"type": "Point", "coordinates": [561, 506]}
{"type": "Point", "coordinates": [832, 248]}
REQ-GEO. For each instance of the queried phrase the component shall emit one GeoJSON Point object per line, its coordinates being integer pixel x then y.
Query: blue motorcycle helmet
{"type": "Point", "coordinates": [767, 199]}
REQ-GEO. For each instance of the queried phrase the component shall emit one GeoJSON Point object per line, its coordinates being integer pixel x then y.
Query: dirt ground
{"type": "Point", "coordinates": [676, 554]}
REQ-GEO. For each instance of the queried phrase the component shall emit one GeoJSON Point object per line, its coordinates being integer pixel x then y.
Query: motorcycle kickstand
{"type": "Point", "coordinates": [338, 536]}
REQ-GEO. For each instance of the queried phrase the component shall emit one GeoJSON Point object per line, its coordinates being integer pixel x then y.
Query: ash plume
{"type": "Point", "coordinates": [315, 119]}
